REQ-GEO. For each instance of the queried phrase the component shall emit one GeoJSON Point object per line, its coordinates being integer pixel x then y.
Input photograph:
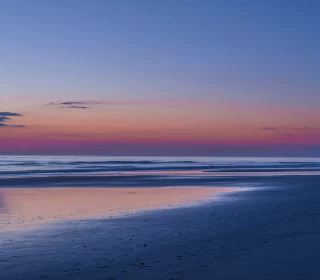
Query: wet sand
{"type": "Point", "coordinates": [268, 233]}
{"type": "Point", "coordinates": [25, 208]}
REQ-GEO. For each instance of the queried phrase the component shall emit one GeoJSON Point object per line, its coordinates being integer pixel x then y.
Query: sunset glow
{"type": "Point", "coordinates": [94, 90]}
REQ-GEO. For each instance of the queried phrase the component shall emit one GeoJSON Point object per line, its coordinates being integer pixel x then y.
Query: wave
{"type": "Point", "coordinates": [129, 162]}
{"type": "Point", "coordinates": [35, 166]}
{"type": "Point", "coordinates": [239, 170]}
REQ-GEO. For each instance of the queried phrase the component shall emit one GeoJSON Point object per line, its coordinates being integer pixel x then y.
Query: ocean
{"type": "Point", "coordinates": [123, 170]}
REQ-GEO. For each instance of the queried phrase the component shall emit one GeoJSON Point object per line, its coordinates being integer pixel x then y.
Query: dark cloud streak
{"type": "Point", "coordinates": [7, 116]}
{"type": "Point", "coordinates": [73, 104]}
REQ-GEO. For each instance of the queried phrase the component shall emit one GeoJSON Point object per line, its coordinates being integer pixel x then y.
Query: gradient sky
{"type": "Point", "coordinates": [160, 77]}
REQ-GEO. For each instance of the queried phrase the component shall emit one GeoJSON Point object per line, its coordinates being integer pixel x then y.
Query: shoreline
{"type": "Point", "coordinates": [145, 180]}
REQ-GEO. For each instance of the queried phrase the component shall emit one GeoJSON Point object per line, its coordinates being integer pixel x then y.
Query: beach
{"type": "Point", "coordinates": [269, 232]}
{"type": "Point", "coordinates": [159, 140]}
{"type": "Point", "coordinates": [159, 218]}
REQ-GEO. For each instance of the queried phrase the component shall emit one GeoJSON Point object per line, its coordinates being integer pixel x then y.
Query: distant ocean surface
{"type": "Point", "coordinates": [28, 167]}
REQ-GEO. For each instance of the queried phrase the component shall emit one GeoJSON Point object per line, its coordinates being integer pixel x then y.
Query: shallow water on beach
{"type": "Point", "coordinates": [32, 207]}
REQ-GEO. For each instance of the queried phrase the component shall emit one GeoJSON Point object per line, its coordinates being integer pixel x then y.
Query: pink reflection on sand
{"type": "Point", "coordinates": [27, 207]}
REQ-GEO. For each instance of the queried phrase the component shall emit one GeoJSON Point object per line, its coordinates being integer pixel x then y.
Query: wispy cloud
{"type": "Point", "coordinates": [295, 133]}
{"type": "Point", "coordinates": [7, 116]}
{"type": "Point", "coordinates": [75, 107]}
{"type": "Point", "coordinates": [73, 104]}
{"type": "Point", "coordinates": [287, 128]}
{"type": "Point", "coordinates": [269, 128]}
{"type": "Point", "coordinates": [89, 103]}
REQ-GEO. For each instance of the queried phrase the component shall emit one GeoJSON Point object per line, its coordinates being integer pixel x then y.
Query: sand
{"type": "Point", "coordinates": [269, 233]}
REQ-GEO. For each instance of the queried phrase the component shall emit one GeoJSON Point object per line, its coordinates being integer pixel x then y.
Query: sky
{"type": "Point", "coordinates": [167, 78]}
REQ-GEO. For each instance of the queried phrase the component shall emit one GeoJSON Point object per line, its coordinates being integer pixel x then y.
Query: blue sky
{"type": "Point", "coordinates": [140, 50]}
{"type": "Point", "coordinates": [264, 53]}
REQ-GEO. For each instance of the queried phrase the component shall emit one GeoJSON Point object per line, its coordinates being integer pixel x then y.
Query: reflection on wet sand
{"type": "Point", "coordinates": [27, 207]}
{"type": "Point", "coordinates": [3, 210]}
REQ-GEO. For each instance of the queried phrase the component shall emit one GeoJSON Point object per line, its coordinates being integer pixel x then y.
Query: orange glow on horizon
{"type": "Point", "coordinates": [162, 123]}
